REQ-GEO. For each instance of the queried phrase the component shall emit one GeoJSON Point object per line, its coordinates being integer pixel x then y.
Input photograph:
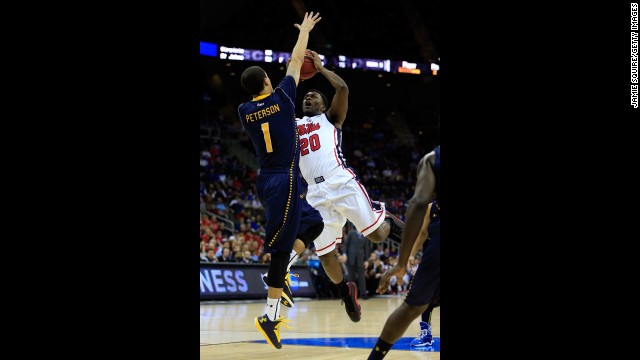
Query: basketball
{"type": "Point", "coordinates": [308, 69]}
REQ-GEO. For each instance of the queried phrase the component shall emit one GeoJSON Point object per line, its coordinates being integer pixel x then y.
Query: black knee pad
{"type": "Point", "coordinates": [311, 234]}
{"type": "Point", "coordinates": [277, 269]}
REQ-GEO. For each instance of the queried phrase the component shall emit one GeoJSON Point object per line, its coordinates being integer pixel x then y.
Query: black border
{"type": "Point", "coordinates": [112, 94]}
{"type": "Point", "coordinates": [537, 145]}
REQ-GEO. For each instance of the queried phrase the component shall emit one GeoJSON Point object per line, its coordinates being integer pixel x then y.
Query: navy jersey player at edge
{"type": "Point", "coordinates": [425, 287]}
{"type": "Point", "coordinates": [269, 119]}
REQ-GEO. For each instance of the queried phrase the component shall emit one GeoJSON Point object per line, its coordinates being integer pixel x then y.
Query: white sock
{"type": "Point", "coordinates": [292, 259]}
{"type": "Point", "coordinates": [273, 308]}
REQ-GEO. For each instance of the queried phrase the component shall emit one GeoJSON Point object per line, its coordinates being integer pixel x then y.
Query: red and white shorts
{"type": "Point", "coordinates": [338, 198]}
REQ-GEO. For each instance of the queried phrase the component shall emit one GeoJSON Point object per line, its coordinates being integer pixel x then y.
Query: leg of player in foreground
{"type": "Point", "coordinates": [425, 288]}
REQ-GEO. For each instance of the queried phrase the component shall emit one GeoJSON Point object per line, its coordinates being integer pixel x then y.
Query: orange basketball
{"type": "Point", "coordinates": [308, 69]}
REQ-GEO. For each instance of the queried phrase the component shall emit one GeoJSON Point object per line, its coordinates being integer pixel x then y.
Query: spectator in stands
{"type": "Point", "coordinates": [204, 220]}
{"type": "Point", "coordinates": [221, 247]}
{"type": "Point", "coordinates": [225, 232]}
{"type": "Point", "coordinates": [245, 258]}
{"type": "Point", "coordinates": [214, 225]}
{"type": "Point", "coordinates": [236, 205]}
{"type": "Point", "coordinates": [204, 246]}
{"type": "Point", "coordinates": [394, 251]}
{"type": "Point", "coordinates": [226, 255]}
{"type": "Point", "coordinates": [379, 250]}
{"type": "Point", "coordinates": [387, 252]}
{"type": "Point", "coordinates": [211, 256]}
{"type": "Point", "coordinates": [237, 255]}
{"type": "Point", "coordinates": [374, 271]}
{"type": "Point", "coordinates": [255, 250]}
{"type": "Point", "coordinates": [220, 205]}
{"type": "Point", "coordinates": [254, 224]}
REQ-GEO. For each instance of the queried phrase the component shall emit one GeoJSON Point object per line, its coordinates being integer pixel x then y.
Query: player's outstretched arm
{"type": "Point", "coordinates": [297, 54]}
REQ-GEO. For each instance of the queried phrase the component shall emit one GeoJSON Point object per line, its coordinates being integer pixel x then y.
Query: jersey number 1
{"type": "Point", "coordinates": [267, 136]}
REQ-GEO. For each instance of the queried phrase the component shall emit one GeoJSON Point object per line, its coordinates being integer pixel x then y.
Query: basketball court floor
{"type": "Point", "coordinates": [320, 329]}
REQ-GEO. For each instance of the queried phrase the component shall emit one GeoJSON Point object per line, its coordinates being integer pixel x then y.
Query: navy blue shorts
{"type": "Point", "coordinates": [425, 285]}
{"type": "Point", "coordinates": [310, 216]}
{"type": "Point", "coordinates": [279, 193]}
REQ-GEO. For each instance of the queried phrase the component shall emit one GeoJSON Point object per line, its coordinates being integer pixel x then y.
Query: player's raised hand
{"type": "Point", "coordinates": [316, 59]}
{"type": "Point", "coordinates": [308, 22]}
